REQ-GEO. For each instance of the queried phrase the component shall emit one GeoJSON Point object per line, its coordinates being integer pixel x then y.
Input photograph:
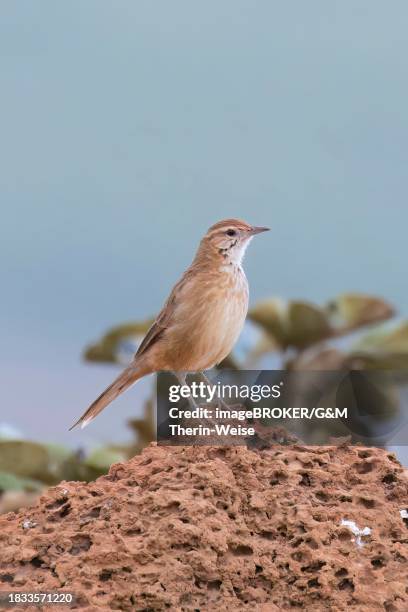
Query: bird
{"type": "Point", "coordinates": [201, 319]}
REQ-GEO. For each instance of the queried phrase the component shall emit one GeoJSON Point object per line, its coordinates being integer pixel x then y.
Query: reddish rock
{"type": "Point", "coordinates": [220, 529]}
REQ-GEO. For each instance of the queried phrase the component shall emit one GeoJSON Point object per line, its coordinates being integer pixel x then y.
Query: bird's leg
{"type": "Point", "coordinates": [220, 401]}
{"type": "Point", "coordinates": [182, 378]}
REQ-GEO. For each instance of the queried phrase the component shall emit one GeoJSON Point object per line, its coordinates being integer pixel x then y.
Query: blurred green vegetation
{"type": "Point", "coordinates": [27, 468]}
{"type": "Point", "coordinates": [303, 335]}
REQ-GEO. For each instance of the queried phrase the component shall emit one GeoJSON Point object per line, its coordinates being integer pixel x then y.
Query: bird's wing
{"type": "Point", "coordinates": [164, 318]}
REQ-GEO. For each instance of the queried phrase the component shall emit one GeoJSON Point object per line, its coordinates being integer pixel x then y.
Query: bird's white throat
{"type": "Point", "coordinates": [236, 254]}
{"type": "Point", "coordinates": [233, 260]}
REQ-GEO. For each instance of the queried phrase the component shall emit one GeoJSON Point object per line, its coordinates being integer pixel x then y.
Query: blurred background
{"type": "Point", "coordinates": [128, 128]}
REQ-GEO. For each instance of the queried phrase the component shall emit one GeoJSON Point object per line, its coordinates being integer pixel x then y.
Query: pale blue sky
{"type": "Point", "coordinates": [127, 128]}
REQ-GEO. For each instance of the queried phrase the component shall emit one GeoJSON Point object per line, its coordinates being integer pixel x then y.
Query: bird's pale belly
{"type": "Point", "coordinates": [207, 328]}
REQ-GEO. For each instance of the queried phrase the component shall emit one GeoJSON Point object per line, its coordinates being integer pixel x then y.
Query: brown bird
{"type": "Point", "coordinates": [202, 318]}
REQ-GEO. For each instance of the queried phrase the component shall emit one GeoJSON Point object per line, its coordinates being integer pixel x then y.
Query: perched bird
{"type": "Point", "coordinates": [202, 318]}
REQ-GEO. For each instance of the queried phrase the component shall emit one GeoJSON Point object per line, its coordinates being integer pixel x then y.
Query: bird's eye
{"type": "Point", "coordinates": [231, 232]}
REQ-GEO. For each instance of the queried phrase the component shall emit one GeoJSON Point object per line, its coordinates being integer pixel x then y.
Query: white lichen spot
{"type": "Point", "coordinates": [404, 514]}
{"type": "Point", "coordinates": [27, 524]}
{"type": "Point", "coordinates": [356, 531]}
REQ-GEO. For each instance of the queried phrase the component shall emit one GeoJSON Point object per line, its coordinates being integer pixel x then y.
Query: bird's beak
{"type": "Point", "coordinates": [257, 230]}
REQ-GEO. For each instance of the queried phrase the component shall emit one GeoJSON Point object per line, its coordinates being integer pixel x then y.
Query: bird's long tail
{"type": "Point", "coordinates": [125, 380]}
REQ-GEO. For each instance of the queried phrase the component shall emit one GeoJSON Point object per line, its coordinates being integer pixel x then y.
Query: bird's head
{"type": "Point", "coordinates": [227, 240]}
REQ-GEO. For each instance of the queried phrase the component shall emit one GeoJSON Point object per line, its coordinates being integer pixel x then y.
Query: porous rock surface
{"type": "Point", "coordinates": [220, 529]}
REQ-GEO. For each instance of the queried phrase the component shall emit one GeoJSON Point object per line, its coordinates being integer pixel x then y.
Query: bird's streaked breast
{"type": "Point", "coordinates": [208, 319]}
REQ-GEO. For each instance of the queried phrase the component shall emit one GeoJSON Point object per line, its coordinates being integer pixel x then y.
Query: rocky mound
{"type": "Point", "coordinates": [221, 529]}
